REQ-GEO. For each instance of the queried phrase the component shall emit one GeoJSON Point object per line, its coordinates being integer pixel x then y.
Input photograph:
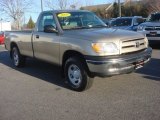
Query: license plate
{"type": "Point", "coordinates": [139, 64]}
{"type": "Point", "coordinates": [153, 33]}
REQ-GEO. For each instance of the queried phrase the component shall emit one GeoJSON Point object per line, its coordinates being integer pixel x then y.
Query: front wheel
{"type": "Point", "coordinates": [76, 75]}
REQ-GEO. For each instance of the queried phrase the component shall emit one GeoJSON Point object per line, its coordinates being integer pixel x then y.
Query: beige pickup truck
{"type": "Point", "coordinates": [81, 44]}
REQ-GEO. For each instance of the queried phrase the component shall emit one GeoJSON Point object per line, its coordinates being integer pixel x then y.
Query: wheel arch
{"type": "Point", "coordinates": [72, 53]}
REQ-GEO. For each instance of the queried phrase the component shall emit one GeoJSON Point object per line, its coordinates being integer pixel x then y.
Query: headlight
{"type": "Point", "coordinates": [141, 27]}
{"type": "Point", "coordinates": [105, 48]}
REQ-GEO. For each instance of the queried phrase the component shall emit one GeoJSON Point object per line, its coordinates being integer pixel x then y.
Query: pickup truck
{"type": "Point", "coordinates": [127, 23]}
{"type": "Point", "coordinates": [81, 44]}
{"type": "Point", "coordinates": [151, 28]}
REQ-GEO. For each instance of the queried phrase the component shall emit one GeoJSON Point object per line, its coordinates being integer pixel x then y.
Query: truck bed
{"type": "Point", "coordinates": [23, 40]}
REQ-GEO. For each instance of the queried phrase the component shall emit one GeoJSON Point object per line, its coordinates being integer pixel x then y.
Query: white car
{"type": "Point", "coordinates": [151, 28]}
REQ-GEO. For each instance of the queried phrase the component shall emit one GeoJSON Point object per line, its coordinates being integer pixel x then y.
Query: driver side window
{"type": "Point", "coordinates": [138, 21]}
{"type": "Point", "coordinates": [46, 19]}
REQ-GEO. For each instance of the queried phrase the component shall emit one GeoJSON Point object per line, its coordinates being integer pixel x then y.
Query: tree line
{"type": "Point", "coordinates": [16, 9]}
{"type": "Point", "coordinates": [132, 8]}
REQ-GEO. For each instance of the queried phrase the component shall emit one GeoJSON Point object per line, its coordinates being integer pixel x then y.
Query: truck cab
{"type": "Point", "coordinates": [127, 23]}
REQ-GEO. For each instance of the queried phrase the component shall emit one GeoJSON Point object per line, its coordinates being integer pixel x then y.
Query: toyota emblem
{"type": "Point", "coordinates": [137, 44]}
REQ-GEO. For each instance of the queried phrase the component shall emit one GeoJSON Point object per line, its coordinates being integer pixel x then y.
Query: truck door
{"type": "Point", "coordinates": [46, 45]}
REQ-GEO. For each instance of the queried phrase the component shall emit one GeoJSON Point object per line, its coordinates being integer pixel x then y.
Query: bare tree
{"type": "Point", "coordinates": [75, 4]}
{"type": "Point", "coordinates": [52, 4]}
{"type": "Point", "coordinates": [152, 5]}
{"type": "Point", "coordinates": [14, 9]}
{"type": "Point", "coordinates": [63, 4]}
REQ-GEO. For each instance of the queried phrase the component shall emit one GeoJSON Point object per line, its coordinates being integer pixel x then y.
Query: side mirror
{"type": "Point", "coordinates": [50, 29]}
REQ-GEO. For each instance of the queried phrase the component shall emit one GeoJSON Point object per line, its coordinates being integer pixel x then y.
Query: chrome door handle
{"type": "Point", "coordinates": [37, 36]}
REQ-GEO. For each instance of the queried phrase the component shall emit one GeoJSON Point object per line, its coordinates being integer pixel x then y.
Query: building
{"type": "Point", "coordinates": [95, 7]}
{"type": "Point", "coordinates": [5, 26]}
{"type": "Point", "coordinates": [107, 7]}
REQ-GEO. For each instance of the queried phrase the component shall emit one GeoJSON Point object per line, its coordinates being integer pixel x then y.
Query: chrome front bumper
{"type": "Point", "coordinates": [114, 65]}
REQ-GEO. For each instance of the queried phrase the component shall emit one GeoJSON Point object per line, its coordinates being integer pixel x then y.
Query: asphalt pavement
{"type": "Point", "coordinates": [37, 92]}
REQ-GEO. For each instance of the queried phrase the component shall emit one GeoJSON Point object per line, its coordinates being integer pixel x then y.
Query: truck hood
{"type": "Point", "coordinates": [103, 34]}
{"type": "Point", "coordinates": [151, 24]}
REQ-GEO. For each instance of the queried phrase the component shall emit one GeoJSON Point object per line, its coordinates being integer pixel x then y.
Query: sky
{"type": "Point", "coordinates": [36, 9]}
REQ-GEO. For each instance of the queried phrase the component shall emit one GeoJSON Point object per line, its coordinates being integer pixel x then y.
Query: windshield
{"type": "Point", "coordinates": [154, 17]}
{"type": "Point", "coordinates": [122, 22]}
{"type": "Point", "coordinates": [79, 20]}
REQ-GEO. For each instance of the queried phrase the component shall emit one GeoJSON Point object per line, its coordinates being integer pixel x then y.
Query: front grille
{"type": "Point", "coordinates": [152, 28]}
{"type": "Point", "coordinates": [150, 35]}
{"type": "Point", "coordinates": [129, 46]}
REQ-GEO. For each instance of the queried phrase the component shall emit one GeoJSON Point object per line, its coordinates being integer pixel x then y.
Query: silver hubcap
{"type": "Point", "coordinates": [74, 75]}
{"type": "Point", "coordinates": [15, 57]}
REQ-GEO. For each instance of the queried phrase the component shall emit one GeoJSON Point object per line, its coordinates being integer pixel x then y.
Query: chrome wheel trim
{"type": "Point", "coordinates": [15, 57]}
{"type": "Point", "coordinates": [74, 75]}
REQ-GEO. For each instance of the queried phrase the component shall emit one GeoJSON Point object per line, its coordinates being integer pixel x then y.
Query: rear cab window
{"type": "Point", "coordinates": [46, 19]}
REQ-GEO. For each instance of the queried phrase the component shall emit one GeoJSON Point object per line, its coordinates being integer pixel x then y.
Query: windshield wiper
{"type": "Point", "coordinates": [99, 26]}
{"type": "Point", "coordinates": [78, 27]}
{"type": "Point", "coordinates": [86, 27]}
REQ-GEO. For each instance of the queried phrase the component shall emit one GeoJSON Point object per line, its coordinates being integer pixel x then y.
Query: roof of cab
{"type": "Point", "coordinates": [59, 11]}
{"type": "Point", "coordinates": [129, 17]}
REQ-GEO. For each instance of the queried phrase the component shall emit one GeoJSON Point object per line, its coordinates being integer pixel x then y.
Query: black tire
{"type": "Point", "coordinates": [74, 69]}
{"type": "Point", "coordinates": [18, 59]}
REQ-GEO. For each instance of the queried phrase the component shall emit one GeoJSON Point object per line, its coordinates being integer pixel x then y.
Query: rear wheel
{"type": "Point", "coordinates": [18, 59]}
{"type": "Point", "coordinates": [76, 75]}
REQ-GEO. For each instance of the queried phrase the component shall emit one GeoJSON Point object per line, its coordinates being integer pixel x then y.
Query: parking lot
{"type": "Point", "coordinates": [37, 92]}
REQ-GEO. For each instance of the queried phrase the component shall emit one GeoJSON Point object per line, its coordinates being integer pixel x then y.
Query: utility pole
{"type": "Point", "coordinates": [119, 6]}
{"type": "Point", "coordinates": [41, 5]}
{"type": "Point", "coordinates": [24, 22]}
